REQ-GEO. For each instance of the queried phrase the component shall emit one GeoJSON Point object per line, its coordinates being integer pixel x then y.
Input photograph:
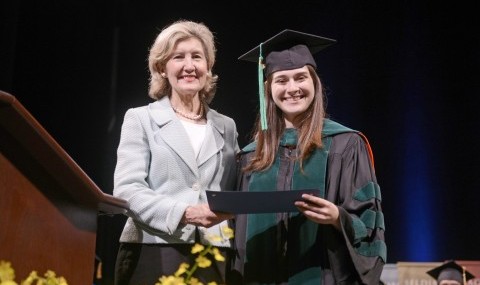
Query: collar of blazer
{"type": "Point", "coordinates": [162, 113]}
{"type": "Point", "coordinates": [164, 116]}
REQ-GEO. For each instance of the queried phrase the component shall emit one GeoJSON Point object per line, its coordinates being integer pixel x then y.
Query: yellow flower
{"type": "Point", "coordinates": [62, 281]}
{"type": "Point", "coordinates": [197, 248]}
{"type": "Point", "coordinates": [195, 281]}
{"type": "Point", "coordinates": [6, 271]}
{"type": "Point", "coordinates": [214, 238]}
{"type": "Point", "coordinates": [31, 278]}
{"type": "Point", "coordinates": [182, 269]}
{"type": "Point", "coordinates": [170, 280]}
{"type": "Point", "coordinates": [203, 262]}
{"type": "Point", "coordinates": [50, 274]}
{"type": "Point", "coordinates": [7, 274]}
{"type": "Point", "coordinates": [228, 232]}
{"type": "Point", "coordinates": [218, 256]}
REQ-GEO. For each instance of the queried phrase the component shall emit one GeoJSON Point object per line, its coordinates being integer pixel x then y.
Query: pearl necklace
{"type": "Point", "coordinates": [189, 116]}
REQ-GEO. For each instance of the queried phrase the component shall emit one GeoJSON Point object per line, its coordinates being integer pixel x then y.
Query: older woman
{"type": "Point", "coordinates": [170, 152]}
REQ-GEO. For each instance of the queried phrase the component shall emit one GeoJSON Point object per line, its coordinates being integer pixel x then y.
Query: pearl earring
{"type": "Point", "coordinates": [163, 75]}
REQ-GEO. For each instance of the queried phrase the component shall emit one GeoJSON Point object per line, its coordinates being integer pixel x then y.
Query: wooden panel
{"type": "Point", "coordinates": [42, 232]}
{"type": "Point", "coordinates": [49, 206]}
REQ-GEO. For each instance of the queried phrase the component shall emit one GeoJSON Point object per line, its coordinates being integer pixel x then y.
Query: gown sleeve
{"type": "Point", "coordinates": [352, 185]}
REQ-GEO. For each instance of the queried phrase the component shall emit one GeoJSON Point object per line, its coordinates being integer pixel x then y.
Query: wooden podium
{"type": "Point", "coordinates": [49, 206]}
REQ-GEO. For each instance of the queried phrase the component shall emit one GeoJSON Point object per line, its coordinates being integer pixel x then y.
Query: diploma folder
{"type": "Point", "coordinates": [241, 202]}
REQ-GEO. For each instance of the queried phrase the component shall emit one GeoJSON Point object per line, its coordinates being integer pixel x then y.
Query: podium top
{"type": "Point", "coordinates": [18, 126]}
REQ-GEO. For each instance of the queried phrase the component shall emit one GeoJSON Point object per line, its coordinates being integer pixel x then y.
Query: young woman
{"type": "Point", "coordinates": [334, 238]}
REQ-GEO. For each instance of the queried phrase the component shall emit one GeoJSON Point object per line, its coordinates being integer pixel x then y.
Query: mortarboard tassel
{"type": "Point", "coordinates": [261, 92]}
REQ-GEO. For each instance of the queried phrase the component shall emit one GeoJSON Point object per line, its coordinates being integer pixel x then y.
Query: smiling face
{"type": "Point", "coordinates": [187, 68]}
{"type": "Point", "coordinates": [293, 92]}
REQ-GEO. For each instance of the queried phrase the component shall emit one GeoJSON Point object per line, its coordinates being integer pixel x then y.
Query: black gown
{"type": "Point", "coordinates": [287, 248]}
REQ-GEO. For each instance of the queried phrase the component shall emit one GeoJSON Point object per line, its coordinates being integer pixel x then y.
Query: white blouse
{"type": "Point", "coordinates": [196, 133]}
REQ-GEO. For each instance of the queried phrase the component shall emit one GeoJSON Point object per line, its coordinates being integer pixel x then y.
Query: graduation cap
{"type": "Point", "coordinates": [286, 50]}
{"type": "Point", "coordinates": [450, 270]}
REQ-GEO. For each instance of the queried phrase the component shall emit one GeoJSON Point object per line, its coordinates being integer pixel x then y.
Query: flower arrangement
{"type": "Point", "coordinates": [183, 275]}
{"type": "Point", "coordinates": [7, 277]}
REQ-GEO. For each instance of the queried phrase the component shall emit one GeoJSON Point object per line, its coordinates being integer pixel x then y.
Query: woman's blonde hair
{"type": "Point", "coordinates": [161, 51]}
{"type": "Point", "coordinates": [309, 125]}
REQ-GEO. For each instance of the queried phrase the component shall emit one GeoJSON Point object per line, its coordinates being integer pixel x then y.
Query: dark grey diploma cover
{"type": "Point", "coordinates": [238, 202]}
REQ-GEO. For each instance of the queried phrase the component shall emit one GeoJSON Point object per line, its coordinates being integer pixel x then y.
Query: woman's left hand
{"type": "Point", "coordinates": [201, 215]}
{"type": "Point", "coordinates": [319, 210]}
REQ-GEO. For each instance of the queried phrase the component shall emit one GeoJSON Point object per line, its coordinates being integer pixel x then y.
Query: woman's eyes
{"type": "Point", "coordinates": [181, 56]}
{"type": "Point", "coordinates": [285, 80]}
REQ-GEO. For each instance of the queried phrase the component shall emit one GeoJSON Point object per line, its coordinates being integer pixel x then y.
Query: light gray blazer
{"type": "Point", "coordinates": [158, 174]}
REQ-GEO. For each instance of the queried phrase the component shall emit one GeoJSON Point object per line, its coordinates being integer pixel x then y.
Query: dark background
{"type": "Point", "coordinates": [405, 73]}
